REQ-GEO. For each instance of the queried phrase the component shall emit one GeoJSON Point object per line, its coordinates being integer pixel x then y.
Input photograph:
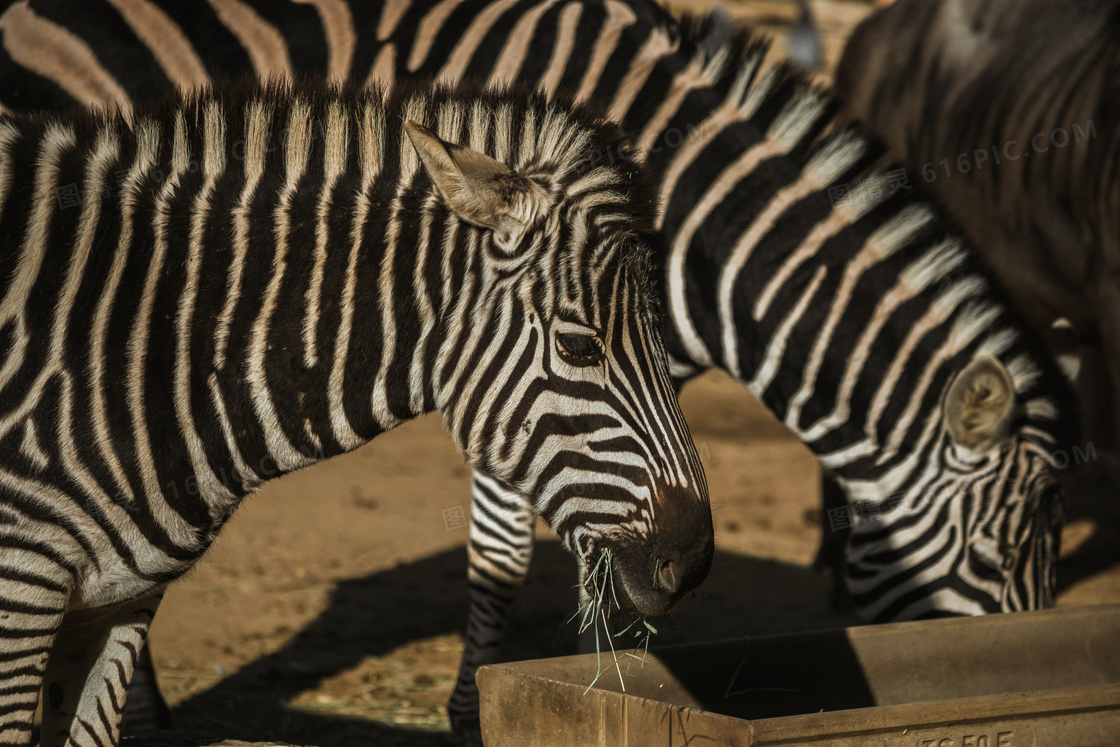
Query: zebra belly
{"type": "Point", "coordinates": [112, 586]}
{"type": "Point", "coordinates": [63, 528]}
{"type": "Point", "coordinates": [69, 555]}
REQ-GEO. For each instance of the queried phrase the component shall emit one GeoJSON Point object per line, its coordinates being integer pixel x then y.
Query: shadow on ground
{"type": "Point", "coordinates": [1091, 496]}
{"type": "Point", "coordinates": [371, 616]}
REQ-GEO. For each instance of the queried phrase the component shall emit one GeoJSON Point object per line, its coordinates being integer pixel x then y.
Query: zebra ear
{"type": "Point", "coordinates": [980, 405]}
{"type": "Point", "coordinates": [480, 190]}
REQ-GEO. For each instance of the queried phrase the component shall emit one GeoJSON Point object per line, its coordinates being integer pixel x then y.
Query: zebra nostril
{"type": "Point", "coordinates": [667, 577]}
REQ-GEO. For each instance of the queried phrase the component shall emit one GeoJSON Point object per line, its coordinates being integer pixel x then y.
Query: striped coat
{"type": "Point", "coordinates": [1007, 109]}
{"type": "Point", "coordinates": [848, 306]}
{"type": "Point", "coordinates": [256, 294]}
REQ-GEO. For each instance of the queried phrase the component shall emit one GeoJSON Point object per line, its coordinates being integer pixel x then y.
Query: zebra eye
{"type": "Point", "coordinates": [579, 350]}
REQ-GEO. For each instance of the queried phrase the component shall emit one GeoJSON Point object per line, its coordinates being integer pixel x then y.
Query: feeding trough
{"type": "Point", "coordinates": [1030, 679]}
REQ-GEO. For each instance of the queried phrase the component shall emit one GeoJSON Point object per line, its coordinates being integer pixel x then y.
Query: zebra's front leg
{"type": "Point", "coordinates": [90, 670]}
{"type": "Point", "coordinates": [145, 711]}
{"type": "Point", "coordinates": [833, 551]}
{"type": "Point", "coordinates": [34, 592]}
{"type": "Point", "coordinates": [499, 549]}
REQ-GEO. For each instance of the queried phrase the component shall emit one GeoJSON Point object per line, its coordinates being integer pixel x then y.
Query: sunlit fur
{"type": "Point", "coordinates": [850, 318]}
{"type": "Point", "coordinates": [239, 284]}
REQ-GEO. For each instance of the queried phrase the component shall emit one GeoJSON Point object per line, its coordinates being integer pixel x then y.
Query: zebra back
{"type": "Point", "coordinates": [1010, 128]}
{"type": "Point", "coordinates": [271, 281]}
{"type": "Point", "coordinates": [789, 261]}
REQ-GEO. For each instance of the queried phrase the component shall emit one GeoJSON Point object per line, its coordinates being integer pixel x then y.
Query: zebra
{"type": "Point", "coordinates": [285, 273]}
{"type": "Point", "coordinates": [1010, 128]}
{"type": "Point", "coordinates": [762, 271]}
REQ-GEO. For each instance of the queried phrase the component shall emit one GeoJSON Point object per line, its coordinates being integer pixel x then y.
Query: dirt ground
{"type": "Point", "coordinates": [330, 610]}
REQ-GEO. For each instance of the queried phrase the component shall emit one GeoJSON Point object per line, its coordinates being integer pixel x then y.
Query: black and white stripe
{"type": "Point", "coordinates": [281, 275]}
{"type": "Point", "coordinates": [1008, 111]}
{"type": "Point", "coordinates": [849, 320]}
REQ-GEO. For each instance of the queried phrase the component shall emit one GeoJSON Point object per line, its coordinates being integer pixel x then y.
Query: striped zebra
{"type": "Point", "coordinates": [865, 324]}
{"type": "Point", "coordinates": [284, 274]}
{"type": "Point", "coordinates": [1016, 133]}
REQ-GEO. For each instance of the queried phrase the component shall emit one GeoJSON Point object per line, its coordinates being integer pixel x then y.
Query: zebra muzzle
{"type": "Point", "coordinates": [655, 575]}
{"type": "Point", "coordinates": [666, 577]}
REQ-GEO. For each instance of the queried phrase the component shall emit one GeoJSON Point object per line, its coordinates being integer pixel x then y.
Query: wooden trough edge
{"type": "Point", "coordinates": [543, 702]}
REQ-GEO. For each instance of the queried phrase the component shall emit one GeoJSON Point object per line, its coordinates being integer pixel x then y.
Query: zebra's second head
{"type": "Point", "coordinates": [979, 532]}
{"type": "Point", "coordinates": [553, 377]}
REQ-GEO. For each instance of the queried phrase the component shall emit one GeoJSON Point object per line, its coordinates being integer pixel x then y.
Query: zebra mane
{"type": "Point", "coordinates": [730, 51]}
{"type": "Point", "coordinates": [711, 36]}
{"type": "Point", "coordinates": [564, 144]}
{"type": "Point", "coordinates": [781, 97]}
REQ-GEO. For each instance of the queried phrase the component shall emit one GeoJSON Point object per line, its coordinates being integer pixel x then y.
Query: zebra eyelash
{"type": "Point", "coordinates": [578, 350]}
{"type": "Point", "coordinates": [578, 345]}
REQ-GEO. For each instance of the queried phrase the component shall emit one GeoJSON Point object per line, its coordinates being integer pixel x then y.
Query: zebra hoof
{"type": "Point", "coordinates": [145, 710]}
{"type": "Point", "coordinates": [467, 730]}
{"type": "Point", "coordinates": [839, 599]}
{"type": "Point", "coordinates": [145, 720]}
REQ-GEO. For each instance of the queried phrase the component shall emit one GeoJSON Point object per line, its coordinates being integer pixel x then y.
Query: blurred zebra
{"type": "Point", "coordinates": [284, 274]}
{"type": "Point", "coordinates": [804, 42]}
{"type": "Point", "coordinates": [1008, 109]}
{"type": "Point", "coordinates": [852, 319]}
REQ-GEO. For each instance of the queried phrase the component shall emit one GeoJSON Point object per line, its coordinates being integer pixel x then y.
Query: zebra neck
{"type": "Point", "coordinates": [238, 316]}
{"type": "Point", "coordinates": [329, 339]}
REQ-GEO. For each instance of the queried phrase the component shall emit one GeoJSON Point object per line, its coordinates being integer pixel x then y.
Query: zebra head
{"type": "Point", "coordinates": [566, 395]}
{"type": "Point", "coordinates": [980, 533]}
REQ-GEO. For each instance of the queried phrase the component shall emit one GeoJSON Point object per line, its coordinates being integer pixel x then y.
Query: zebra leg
{"type": "Point", "coordinates": [499, 549]}
{"type": "Point", "coordinates": [832, 553]}
{"type": "Point", "coordinates": [145, 710]}
{"type": "Point", "coordinates": [32, 606]}
{"type": "Point", "coordinates": [90, 671]}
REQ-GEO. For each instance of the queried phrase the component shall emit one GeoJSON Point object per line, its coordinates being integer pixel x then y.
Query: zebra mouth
{"type": "Point", "coordinates": [655, 571]}
{"type": "Point", "coordinates": [644, 596]}
{"type": "Point", "coordinates": [610, 586]}
{"type": "Point", "coordinates": [653, 584]}
{"type": "Point", "coordinates": [649, 572]}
